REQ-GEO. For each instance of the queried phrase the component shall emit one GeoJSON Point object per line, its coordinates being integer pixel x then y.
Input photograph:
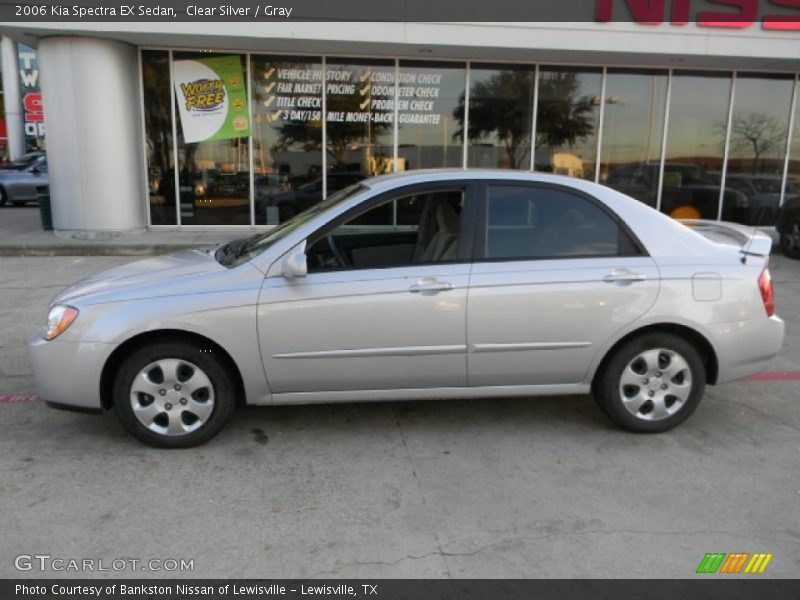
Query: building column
{"type": "Point", "coordinates": [13, 104]}
{"type": "Point", "coordinates": [90, 89]}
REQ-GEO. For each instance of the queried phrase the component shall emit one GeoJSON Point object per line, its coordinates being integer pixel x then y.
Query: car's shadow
{"type": "Point", "coordinates": [260, 424]}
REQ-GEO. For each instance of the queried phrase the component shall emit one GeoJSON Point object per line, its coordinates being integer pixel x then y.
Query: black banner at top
{"type": "Point", "coordinates": [773, 14]}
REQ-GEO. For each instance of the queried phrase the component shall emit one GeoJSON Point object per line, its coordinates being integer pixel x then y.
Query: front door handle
{"type": "Point", "coordinates": [430, 285]}
{"type": "Point", "coordinates": [623, 276]}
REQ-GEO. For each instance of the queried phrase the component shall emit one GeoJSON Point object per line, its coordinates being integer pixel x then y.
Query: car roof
{"type": "Point", "coordinates": [393, 180]}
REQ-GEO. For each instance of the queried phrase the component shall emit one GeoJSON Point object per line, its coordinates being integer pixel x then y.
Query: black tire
{"type": "Point", "coordinates": [627, 404]}
{"type": "Point", "coordinates": [222, 394]}
{"type": "Point", "coordinates": [788, 247]}
{"type": "Point", "coordinates": [18, 204]}
{"type": "Point", "coordinates": [3, 197]}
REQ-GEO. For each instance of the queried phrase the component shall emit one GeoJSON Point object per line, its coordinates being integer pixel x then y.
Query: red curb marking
{"type": "Point", "coordinates": [776, 376]}
{"type": "Point", "coordinates": [18, 398]}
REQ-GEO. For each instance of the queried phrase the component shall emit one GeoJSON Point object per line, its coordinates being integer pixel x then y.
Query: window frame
{"type": "Point", "coordinates": [467, 220]}
{"type": "Point", "coordinates": [482, 216]}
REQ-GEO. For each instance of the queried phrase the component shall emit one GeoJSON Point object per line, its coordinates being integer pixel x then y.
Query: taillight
{"type": "Point", "coordinates": [767, 293]}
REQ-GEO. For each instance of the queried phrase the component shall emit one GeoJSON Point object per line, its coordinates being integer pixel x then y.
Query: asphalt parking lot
{"type": "Point", "coordinates": [543, 487]}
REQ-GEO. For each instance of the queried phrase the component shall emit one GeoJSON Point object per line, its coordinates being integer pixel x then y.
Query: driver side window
{"type": "Point", "coordinates": [419, 228]}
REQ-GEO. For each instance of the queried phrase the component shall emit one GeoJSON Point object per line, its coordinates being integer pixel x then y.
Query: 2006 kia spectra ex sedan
{"type": "Point", "coordinates": [431, 284]}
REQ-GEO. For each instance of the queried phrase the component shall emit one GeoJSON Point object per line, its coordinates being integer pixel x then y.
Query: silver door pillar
{"type": "Point", "coordinates": [94, 136]}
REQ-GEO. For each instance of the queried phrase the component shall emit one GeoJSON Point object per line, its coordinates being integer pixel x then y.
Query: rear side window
{"type": "Point", "coordinates": [543, 222]}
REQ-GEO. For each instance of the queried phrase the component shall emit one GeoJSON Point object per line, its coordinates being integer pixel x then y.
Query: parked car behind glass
{"type": "Point", "coordinates": [20, 178]}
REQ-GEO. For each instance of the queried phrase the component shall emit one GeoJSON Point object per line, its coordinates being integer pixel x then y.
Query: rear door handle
{"type": "Point", "coordinates": [623, 276]}
{"type": "Point", "coordinates": [425, 285]}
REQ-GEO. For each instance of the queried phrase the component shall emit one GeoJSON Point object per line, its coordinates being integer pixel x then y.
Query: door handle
{"type": "Point", "coordinates": [623, 276]}
{"type": "Point", "coordinates": [430, 286]}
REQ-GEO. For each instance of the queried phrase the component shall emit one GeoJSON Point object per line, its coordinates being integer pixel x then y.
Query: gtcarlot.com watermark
{"type": "Point", "coordinates": [47, 562]}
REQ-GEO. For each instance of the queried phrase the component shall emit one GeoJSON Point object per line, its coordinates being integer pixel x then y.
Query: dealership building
{"type": "Point", "coordinates": [243, 124]}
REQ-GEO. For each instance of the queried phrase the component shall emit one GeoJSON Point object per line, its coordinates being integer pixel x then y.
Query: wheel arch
{"type": "Point", "coordinates": [697, 339]}
{"type": "Point", "coordinates": [139, 340]}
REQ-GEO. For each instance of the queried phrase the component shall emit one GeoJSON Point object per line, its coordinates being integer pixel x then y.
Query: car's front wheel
{"type": "Point", "coordinates": [173, 394]}
{"type": "Point", "coordinates": [790, 239]}
{"type": "Point", "coordinates": [651, 383]}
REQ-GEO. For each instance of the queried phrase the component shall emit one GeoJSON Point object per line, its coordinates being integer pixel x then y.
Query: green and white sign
{"type": "Point", "coordinates": [212, 99]}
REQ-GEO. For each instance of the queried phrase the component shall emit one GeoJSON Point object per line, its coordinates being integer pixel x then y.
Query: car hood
{"type": "Point", "coordinates": [186, 271]}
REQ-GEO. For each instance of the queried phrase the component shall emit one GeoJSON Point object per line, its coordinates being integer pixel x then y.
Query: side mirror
{"type": "Point", "coordinates": [34, 170]}
{"type": "Point", "coordinates": [294, 265]}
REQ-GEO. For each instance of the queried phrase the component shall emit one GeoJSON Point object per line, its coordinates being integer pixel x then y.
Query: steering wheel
{"type": "Point", "coordinates": [337, 253]}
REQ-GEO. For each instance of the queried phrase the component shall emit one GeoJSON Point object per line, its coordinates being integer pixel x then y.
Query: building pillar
{"type": "Point", "coordinates": [13, 104]}
{"type": "Point", "coordinates": [90, 89]}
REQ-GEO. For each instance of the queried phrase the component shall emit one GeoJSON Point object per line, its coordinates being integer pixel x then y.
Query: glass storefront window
{"type": "Point", "coordinates": [791, 187]}
{"type": "Point", "coordinates": [500, 115]}
{"type": "Point", "coordinates": [291, 170]}
{"type": "Point", "coordinates": [213, 175]}
{"type": "Point", "coordinates": [158, 137]}
{"type": "Point", "coordinates": [287, 136]}
{"type": "Point", "coordinates": [633, 125]}
{"type": "Point", "coordinates": [698, 115]}
{"type": "Point", "coordinates": [360, 122]}
{"type": "Point", "coordinates": [428, 96]}
{"type": "Point", "coordinates": [759, 126]}
{"type": "Point", "coordinates": [567, 119]}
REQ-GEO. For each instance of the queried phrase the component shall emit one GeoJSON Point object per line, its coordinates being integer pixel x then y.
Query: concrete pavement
{"type": "Point", "coordinates": [21, 234]}
{"type": "Point", "coordinates": [542, 487]}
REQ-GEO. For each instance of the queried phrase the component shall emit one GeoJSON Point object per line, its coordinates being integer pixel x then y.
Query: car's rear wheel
{"type": "Point", "coordinates": [790, 239]}
{"type": "Point", "coordinates": [173, 394]}
{"type": "Point", "coordinates": [651, 383]}
{"type": "Point", "coordinates": [3, 197]}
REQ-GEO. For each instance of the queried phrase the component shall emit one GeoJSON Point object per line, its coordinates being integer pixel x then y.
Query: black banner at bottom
{"type": "Point", "coordinates": [394, 589]}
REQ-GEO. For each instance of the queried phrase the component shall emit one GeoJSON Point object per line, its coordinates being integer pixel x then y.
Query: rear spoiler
{"type": "Point", "coordinates": [750, 240]}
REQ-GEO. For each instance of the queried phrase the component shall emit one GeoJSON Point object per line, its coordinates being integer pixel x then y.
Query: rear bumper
{"type": "Point", "coordinates": [746, 347]}
{"type": "Point", "coordinates": [67, 374]}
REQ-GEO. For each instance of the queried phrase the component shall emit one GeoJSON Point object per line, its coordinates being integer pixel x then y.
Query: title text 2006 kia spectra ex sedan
{"type": "Point", "coordinates": [431, 284]}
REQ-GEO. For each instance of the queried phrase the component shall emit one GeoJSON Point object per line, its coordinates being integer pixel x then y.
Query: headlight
{"type": "Point", "coordinates": [59, 318]}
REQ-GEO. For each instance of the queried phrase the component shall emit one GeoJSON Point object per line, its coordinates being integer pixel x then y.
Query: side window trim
{"type": "Point", "coordinates": [481, 222]}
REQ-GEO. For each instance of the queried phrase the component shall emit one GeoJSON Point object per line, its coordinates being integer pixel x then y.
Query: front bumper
{"type": "Point", "coordinates": [747, 347]}
{"type": "Point", "coordinates": [68, 373]}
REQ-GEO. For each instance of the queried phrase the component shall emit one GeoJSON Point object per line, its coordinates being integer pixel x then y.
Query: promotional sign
{"type": "Point", "coordinates": [212, 100]}
{"type": "Point", "coordinates": [32, 105]}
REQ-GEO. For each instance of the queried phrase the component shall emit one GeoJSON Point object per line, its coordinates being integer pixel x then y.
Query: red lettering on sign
{"type": "Point", "coordinates": [646, 12]}
{"type": "Point", "coordinates": [34, 107]}
{"type": "Point", "coordinates": [680, 11]}
{"type": "Point", "coordinates": [743, 13]}
{"type": "Point", "coordinates": [783, 22]}
{"type": "Point", "coordinates": [745, 16]}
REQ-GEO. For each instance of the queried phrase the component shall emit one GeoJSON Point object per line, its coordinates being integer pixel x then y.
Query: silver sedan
{"type": "Point", "coordinates": [430, 284]}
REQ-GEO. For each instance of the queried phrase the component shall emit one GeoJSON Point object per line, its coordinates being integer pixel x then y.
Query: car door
{"type": "Point", "coordinates": [556, 274]}
{"type": "Point", "coordinates": [385, 317]}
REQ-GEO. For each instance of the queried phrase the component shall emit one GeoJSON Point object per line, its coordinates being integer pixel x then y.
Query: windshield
{"type": "Point", "coordinates": [236, 252]}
